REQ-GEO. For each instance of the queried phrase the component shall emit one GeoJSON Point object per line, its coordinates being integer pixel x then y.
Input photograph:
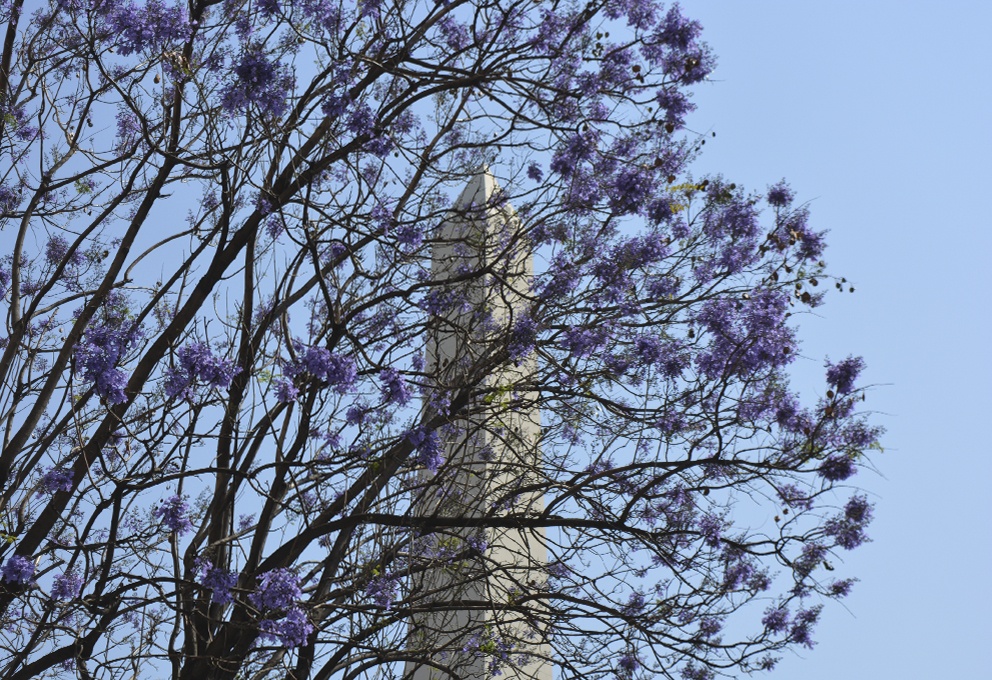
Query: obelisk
{"type": "Point", "coordinates": [480, 617]}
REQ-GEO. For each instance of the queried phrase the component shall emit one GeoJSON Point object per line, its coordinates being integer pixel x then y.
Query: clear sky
{"type": "Point", "coordinates": [880, 113]}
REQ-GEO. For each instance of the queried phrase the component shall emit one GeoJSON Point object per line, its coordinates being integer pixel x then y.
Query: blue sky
{"type": "Point", "coordinates": [880, 114]}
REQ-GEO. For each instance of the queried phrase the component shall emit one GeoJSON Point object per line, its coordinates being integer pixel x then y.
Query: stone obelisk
{"type": "Point", "coordinates": [479, 615]}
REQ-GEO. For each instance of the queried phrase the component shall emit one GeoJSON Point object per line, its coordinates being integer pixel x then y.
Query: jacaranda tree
{"type": "Point", "coordinates": [231, 445]}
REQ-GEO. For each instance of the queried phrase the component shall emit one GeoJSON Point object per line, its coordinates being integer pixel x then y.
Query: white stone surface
{"type": "Point", "coordinates": [481, 603]}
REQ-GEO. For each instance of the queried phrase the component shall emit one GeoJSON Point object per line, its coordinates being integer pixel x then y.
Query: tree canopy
{"type": "Point", "coordinates": [258, 335]}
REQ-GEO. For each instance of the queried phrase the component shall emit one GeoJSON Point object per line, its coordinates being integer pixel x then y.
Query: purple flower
{"type": "Point", "coordinates": [55, 480]}
{"type": "Point", "coordinates": [355, 415]}
{"type": "Point", "coordinates": [97, 356]}
{"type": "Point", "coordinates": [669, 357]}
{"type": "Point", "coordinates": [4, 282]}
{"type": "Point", "coordinates": [583, 342]}
{"type": "Point", "coordinates": [837, 468]}
{"type": "Point", "coordinates": [428, 447]}
{"type": "Point", "coordinates": [631, 189]}
{"type": "Point", "coordinates": [802, 626]}
{"type": "Point", "coordinates": [173, 512]}
{"type": "Point", "coordinates": [9, 199]}
{"type": "Point", "coordinates": [535, 172]}
{"type": "Point", "coordinates": [811, 556]}
{"type": "Point", "coordinates": [635, 604]}
{"type": "Point", "coordinates": [711, 528]}
{"type": "Point", "coordinates": [628, 663]}
{"type": "Point", "coordinates": [843, 374]}
{"type": "Point", "coordinates": [577, 149]}
{"type": "Point", "coordinates": [477, 543]}
{"type": "Point", "coordinates": [709, 627]}
{"type": "Point", "coordinates": [57, 248]}
{"type": "Point", "coordinates": [394, 387]}
{"type": "Point", "coordinates": [382, 590]}
{"type": "Point", "coordinates": [219, 581]}
{"type": "Point", "coordinates": [361, 121]}
{"type": "Point", "coordinates": [523, 338]}
{"type": "Point", "coordinates": [196, 362]}
{"type": "Point", "coordinates": [260, 82]}
{"type": "Point", "coordinates": [17, 569]}
{"type": "Point", "coordinates": [776, 620]}
{"type": "Point", "coordinates": [276, 589]}
{"type": "Point", "coordinates": [455, 34]}
{"type": "Point", "coordinates": [153, 25]}
{"type": "Point", "coordinates": [410, 235]}
{"type": "Point", "coordinates": [290, 631]}
{"type": "Point", "coordinates": [694, 672]}
{"type": "Point", "coordinates": [780, 195]}
{"type": "Point", "coordinates": [67, 586]}
{"type": "Point", "coordinates": [332, 369]}
{"type": "Point", "coordinates": [286, 391]}
{"type": "Point", "coordinates": [336, 105]}
{"type": "Point", "coordinates": [848, 529]}
{"type": "Point", "coordinates": [268, 8]}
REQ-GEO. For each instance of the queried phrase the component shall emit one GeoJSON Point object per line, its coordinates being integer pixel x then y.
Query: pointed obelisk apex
{"type": "Point", "coordinates": [470, 579]}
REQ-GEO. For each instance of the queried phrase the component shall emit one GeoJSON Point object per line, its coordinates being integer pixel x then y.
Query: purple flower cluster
{"type": "Point", "coordinates": [746, 336]}
{"type": "Point", "coordinates": [535, 172]}
{"type": "Point", "coordinates": [837, 468]}
{"type": "Point", "coordinates": [67, 586]}
{"type": "Point", "coordinates": [219, 581]}
{"type": "Point", "coordinates": [843, 374]}
{"type": "Point", "coordinates": [635, 604]}
{"type": "Point", "coordinates": [410, 235]}
{"type": "Point", "coordinates": [669, 357]}
{"type": "Point", "coordinates": [639, 13]}
{"type": "Point", "coordinates": [631, 190]}
{"type": "Point", "coordinates": [17, 569]}
{"type": "Point", "coordinates": [102, 347]}
{"type": "Point", "coordinates": [627, 664]}
{"type": "Point", "coordinates": [291, 631]}
{"type": "Point", "coordinates": [780, 195]}
{"type": "Point", "coordinates": [776, 620]}
{"type": "Point", "coordinates": [197, 362]}
{"type": "Point", "coordinates": [430, 452]}
{"type": "Point", "coordinates": [675, 46]}
{"type": "Point", "coordinates": [336, 105]}
{"type": "Point", "coordinates": [848, 529]}
{"type": "Point", "coordinates": [693, 672]}
{"type": "Point", "coordinates": [523, 338]}
{"type": "Point", "coordinates": [676, 105]}
{"type": "Point", "coordinates": [802, 626]}
{"type": "Point", "coordinates": [174, 514]}
{"type": "Point", "coordinates": [57, 248]}
{"type": "Point", "coordinates": [55, 480]}
{"type": "Point", "coordinates": [154, 25]}
{"type": "Point", "coordinates": [261, 82]}
{"type": "Point", "coordinates": [842, 588]}
{"type": "Point", "coordinates": [477, 543]}
{"type": "Point", "coordinates": [576, 150]}
{"type": "Point", "coordinates": [582, 342]}
{"type": "Point", "coordinates": [811, 557]}
{"type": "Point", "coordinates": [454, 33]}
{"type": "Point", "coordinates": [711, 529]}
{"type": "Point", "coordinates": [394, 388]}
{"type": "Point", "coordinates": [317, 362]}
{"type": "Point", "coordinates": [276, 589]}
{"type": "Point", "coordinates": [383, 590]}
{"type": "Point", "coordinates": [9, 199]}
{"type": "Point", "coordinates": [709, 627]}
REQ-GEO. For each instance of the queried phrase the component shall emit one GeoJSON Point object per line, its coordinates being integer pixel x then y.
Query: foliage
{"type": "Point", "coordinates": [236, 440]}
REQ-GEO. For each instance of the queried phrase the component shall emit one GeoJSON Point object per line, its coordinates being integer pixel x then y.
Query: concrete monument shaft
{"type": "Point", "coordinates": [479, 615]}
